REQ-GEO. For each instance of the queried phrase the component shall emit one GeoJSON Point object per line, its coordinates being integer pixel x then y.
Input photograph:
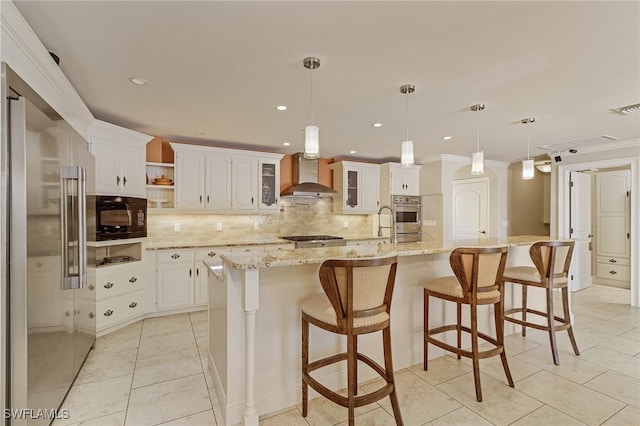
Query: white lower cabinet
{"type": "Point", "coordinates": [119, 293]}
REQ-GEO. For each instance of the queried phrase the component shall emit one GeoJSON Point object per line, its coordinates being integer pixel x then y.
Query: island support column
{"type": "Point", "coordinates": [250, 300]}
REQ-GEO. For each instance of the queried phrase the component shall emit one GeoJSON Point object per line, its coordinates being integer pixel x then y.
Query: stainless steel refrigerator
{"type": "Point", "coordinates": [50, 322]}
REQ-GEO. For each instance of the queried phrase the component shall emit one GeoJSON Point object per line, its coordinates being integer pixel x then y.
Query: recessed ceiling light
{"type": "Point", "coordinates": [376, 125]}
{"type": "Point", "coordinates": [286, 143]}
{"type": "Point", "coordinates": [281, 107]}
{"type": "Point", "coordinates": [200, 133]}
{"type": "Point", "coordinates": [446, 138]}
{"type": "Point", "coordinates": [139, 81]}
{"type": "Point", "coordinates": [353, 151]}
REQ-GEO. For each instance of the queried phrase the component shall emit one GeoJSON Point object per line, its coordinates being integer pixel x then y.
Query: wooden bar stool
{"type": "Point", "coordinates": [356, 300]}
{"type": "Point", "coordinates": [552, 260]}
{"type": "Point", "coordinates": [477, 281]}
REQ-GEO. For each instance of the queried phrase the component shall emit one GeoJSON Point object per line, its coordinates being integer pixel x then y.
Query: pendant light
{"type": "Point", "coordinates": [406, 157]}
{"type": "Point", "coordinates": [311, 132]}
{"type": "Point", "coordinates": [528, 170]}
{"type": "Point", "coordinates": [477, 158]}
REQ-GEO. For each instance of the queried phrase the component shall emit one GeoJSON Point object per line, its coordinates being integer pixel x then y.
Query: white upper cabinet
{"type": "Point", "coordinates": [358, 185]}
{"type": "Point", "coordinates": [224, 179]}
{"type": "Point", "coordinates": [398, 180]}
{"type": "Point", "coordinates": [120, 159]}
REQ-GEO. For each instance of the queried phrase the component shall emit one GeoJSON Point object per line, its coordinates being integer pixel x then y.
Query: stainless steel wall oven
{"type": "Point", "coordinates": [406, 210]}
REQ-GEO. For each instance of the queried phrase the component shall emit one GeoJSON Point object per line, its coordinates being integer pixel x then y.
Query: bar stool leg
{"type": "Point", "coordinates": [459, 327]}
{"type": "Point", "coordinates": [305, 365]}
{"type": "Point", "coordinates": [497, 313]}
{"type": "Point", "coordinates": [351, 367]}
{"type": "Point", "coordinates": [388, 368]}
{"type": "Point", "coordinates": [567, 319]}
{"type": "Point", "coordinates": [426, 328]}
{"type": "Point", "coordinates": [355, 363]}
{"type": "Point", "coordinates": [552, 325]}
{"type": "Point", "coordinates": [524, 309]}
{"type": "Point", "coordinates": [474, 349]}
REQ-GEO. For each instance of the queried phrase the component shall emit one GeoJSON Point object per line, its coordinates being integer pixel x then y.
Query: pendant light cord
{"type": "Point", "coordinates": [528, 125]}
{"type": "Point", "coordinates": [311, 72]}
{"type": "Point", "coordinates": [407, 116]}
{"type": "Point", "coordinates": [478, 129]}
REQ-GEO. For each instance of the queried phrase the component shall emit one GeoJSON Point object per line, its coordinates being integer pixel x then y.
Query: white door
{"type": "Point", "coordinates": [132, 160]}
{"type": "Point", "coordinates": [108, 178]}
{"type": "Point", "coordinates": [470, 204]}
{"type": "Point", "coordinates": [245, 183]}
{"type": "Point", "coordinates": [370, 189]}
{"type": "Point", "coordinates": [189, 181]}
{"type": "Point", "coordinates": [580, 230]}
{"type": "Point", "coordinates": [612, 227]}
{"type": "Point", "coordinates": [218, 182]}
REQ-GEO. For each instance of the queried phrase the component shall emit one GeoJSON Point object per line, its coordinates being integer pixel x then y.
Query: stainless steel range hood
{"type": "Point", "coordinates": [305, 180]}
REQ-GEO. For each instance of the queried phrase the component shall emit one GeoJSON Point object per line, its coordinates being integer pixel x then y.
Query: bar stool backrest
{"type": "Point", "coordinates": [545, 254]}
{"type": "Point", "coordinates": [360, 287]}
{"type": "Point", "coordinates": [478, 269]}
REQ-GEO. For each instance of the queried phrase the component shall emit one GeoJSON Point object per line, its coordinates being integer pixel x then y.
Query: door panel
{"type": "Point", "coordinates": [580, 224]}
{"type": "Point", "coordinates": [470, 202]}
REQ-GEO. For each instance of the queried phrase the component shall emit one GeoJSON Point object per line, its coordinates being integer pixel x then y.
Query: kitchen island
{"type": "Point", "coordinates": [254, 319]}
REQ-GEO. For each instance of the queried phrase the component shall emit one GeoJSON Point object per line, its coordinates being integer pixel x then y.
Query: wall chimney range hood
{"type": "Point", "coordinates": [305, 180]}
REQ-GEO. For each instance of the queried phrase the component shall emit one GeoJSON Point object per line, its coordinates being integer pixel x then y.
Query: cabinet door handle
{"type": "Point", "coordinates": [190, 272]}
{"type": "Point", "coordinates": [108, 285]}
{"type": "Point", "coordinates": [251, 200]}
{"type": "Point", "coordinates": [124, 181]}
{"type": "Point", "coordinates": [133, 304]}
{"type": "Point", "coordinates": [133, 279]}
{"type": "Point", "coordinates": [211, 254]}
{"type": "Point", "coordinates": [108, 313]}
{"type": "Point", "coordinates": [91, 315]}
{"type": "Point", "coordinates": [612, 272]}
{"type": "Point", "coordinates": [613, 261]}
{"type": "Point", "coordinates": [91, 287]}
{"type": "Point", "coordinates": [175, 256]}
{"type": "Point", "coordinates": [201, 199]}
{"type": "Point", "coordinates": [197, 272]}
{"type": "Point", "coordinates": [118, 180]}
{"type": "Point", "coordinates": [207, 199]}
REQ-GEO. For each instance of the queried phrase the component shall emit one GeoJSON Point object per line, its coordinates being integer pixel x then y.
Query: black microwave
{"type": "Point", "coordinates": [119, 217]}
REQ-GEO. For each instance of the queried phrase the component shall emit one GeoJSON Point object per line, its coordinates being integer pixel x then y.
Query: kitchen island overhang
{"type": "Point", "coordinates": [254, 319]}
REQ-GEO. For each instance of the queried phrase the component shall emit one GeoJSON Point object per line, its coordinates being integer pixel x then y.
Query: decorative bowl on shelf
{"type": "Point", "coordinates": [162, 181]}
{"type": "Point", "coordinates": [158, 202]}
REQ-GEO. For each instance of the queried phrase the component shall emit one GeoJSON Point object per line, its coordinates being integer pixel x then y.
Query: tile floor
{"type": "Point", "coordinates": [154, 372]}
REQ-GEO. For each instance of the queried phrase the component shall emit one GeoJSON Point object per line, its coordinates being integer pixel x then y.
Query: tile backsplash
{"type": "Point", "coordinates": [296, 217]}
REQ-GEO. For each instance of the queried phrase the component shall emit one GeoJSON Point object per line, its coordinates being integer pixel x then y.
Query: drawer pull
{"type": "Point", "coordinates": [211, 254]}
{"type": "Point", "coordinates": [91, 287]}
{"type": "Point", "coordinates": [108, 313]}
{"type": "Point", "coordinates": [175, 256]}
{"type": "Point", "coordinates": [133, 279]}
{"type": "Point", "coordinates": [612, 272]}
{"type": "Point", "coordinates": [613, 261]}
{"type": "Point", "coordinates": [133, 304]}
{"type": "Point", "coordinates": [91, 315]}
{"type": "Point", "coordinates": [108, 285]}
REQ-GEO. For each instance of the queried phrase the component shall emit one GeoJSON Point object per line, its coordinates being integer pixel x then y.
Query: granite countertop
{"type": "Point", "coordinates": [275, 258]}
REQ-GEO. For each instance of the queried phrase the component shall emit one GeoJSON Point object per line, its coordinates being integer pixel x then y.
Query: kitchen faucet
{"type": "Point", "coordinates": [392, 228]}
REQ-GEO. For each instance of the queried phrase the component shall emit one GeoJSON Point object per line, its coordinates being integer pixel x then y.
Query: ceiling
{"type": "Point", "coordinates": [220, 68]}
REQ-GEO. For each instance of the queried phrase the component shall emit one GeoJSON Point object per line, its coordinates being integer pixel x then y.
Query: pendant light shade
{"type": "Point", "coordinates": [407, 154]}
{"type": "Point", "coordinates": [311, 131]}
{"type": "Point", "coordinates": [477, 158]}
{"type": "Point", "coordinates": [528, 169]}
{"type": "Point", "coordinates": [406, 157]}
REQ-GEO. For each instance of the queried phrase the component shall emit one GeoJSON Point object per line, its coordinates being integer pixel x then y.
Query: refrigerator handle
{"type": "Point", "coordinates": [73, 277]}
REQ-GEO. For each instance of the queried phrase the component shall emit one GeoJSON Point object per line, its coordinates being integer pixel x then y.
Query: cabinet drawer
{"type": "Point", "coordinates": [112, 283]}
{"type": "Point", "coordinates": [211, 253]}
{"type": "Point", "coordinates": [247, 249]}
{"type": "Point", "coordinates": [613, 260]}
{"type": "Point", "coordinates": [283, 246]}
{"type": "Point", "coordinates": [175, 256]}
{"type": "Point", "coordinates": [613, 271]}
{"type": "Point", "coordinates": [113, 311]}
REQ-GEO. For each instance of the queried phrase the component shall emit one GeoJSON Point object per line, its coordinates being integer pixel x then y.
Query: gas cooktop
{"type": "Point", "coordinates": [310, 241]}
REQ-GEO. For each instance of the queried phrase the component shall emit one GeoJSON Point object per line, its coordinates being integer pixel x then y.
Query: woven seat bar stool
{"type": "Point", "coordinates": [552, 260]}
{"type": "Point", "coordinates": [356, 301]}
{"type": "Point", "coordinates": [477, 281]}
